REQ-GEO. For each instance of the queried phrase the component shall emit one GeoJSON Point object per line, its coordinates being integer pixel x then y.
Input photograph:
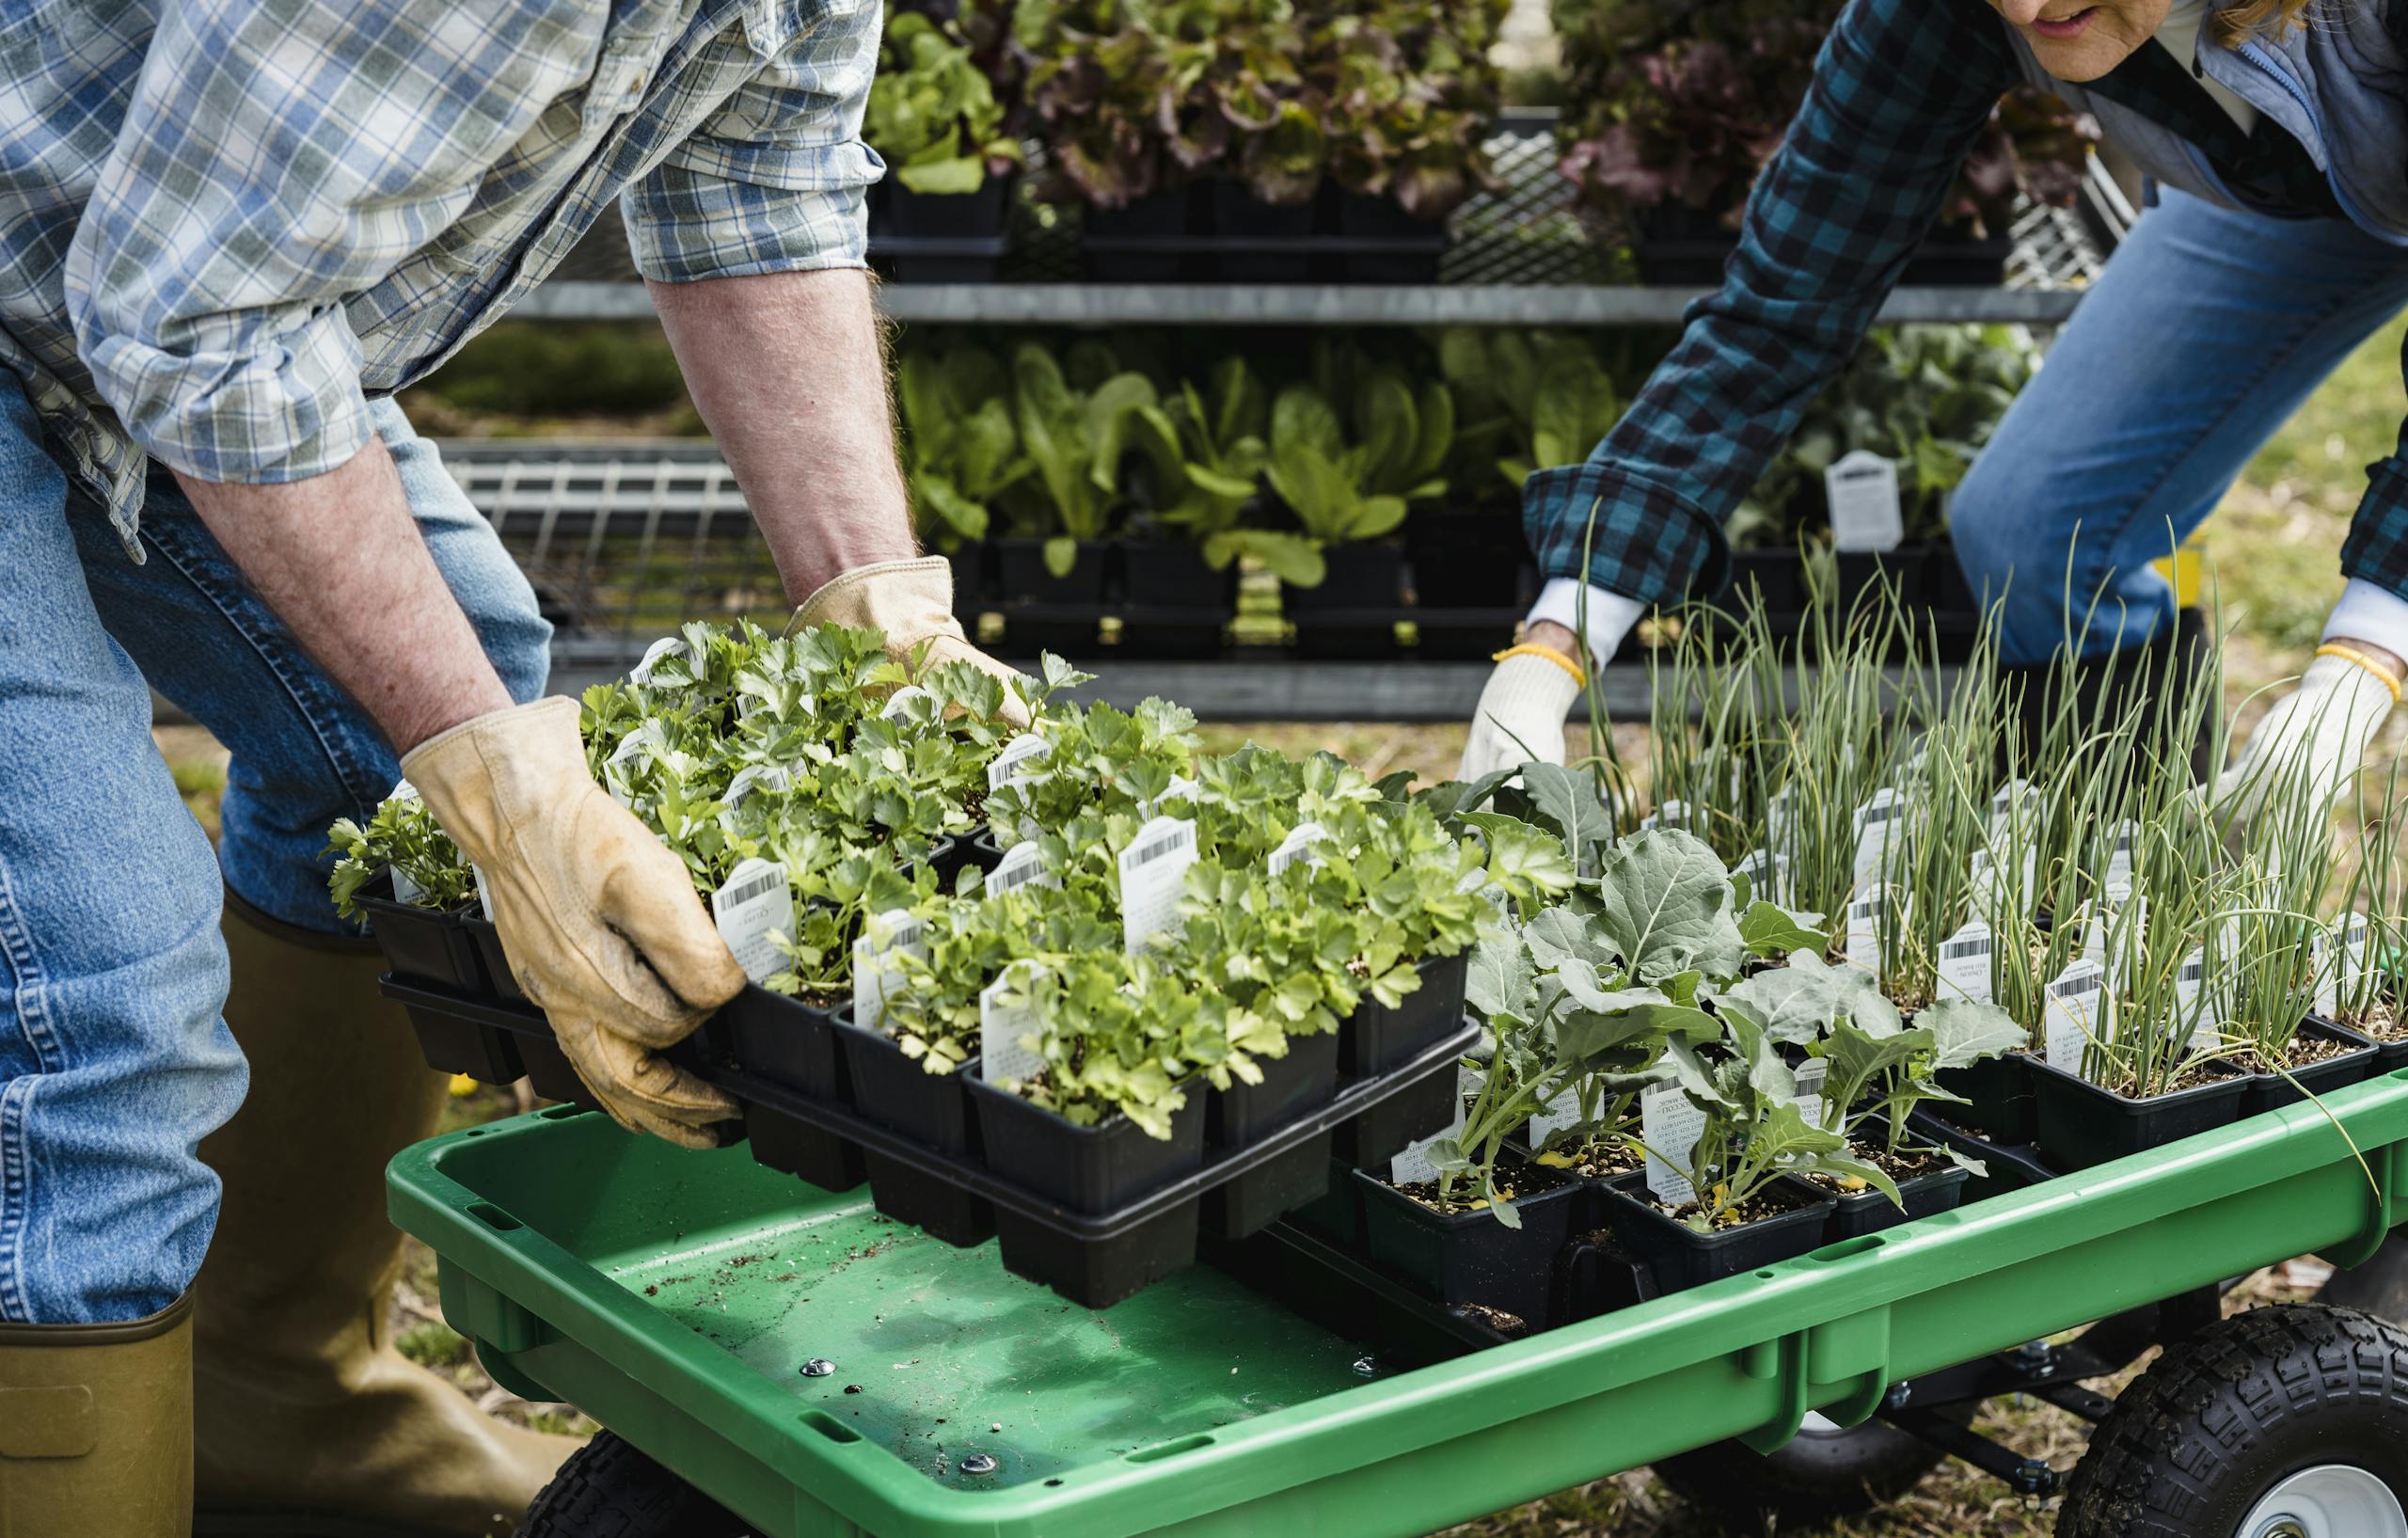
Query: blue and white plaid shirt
{"type": "Point", "coordinates": [224, 224]}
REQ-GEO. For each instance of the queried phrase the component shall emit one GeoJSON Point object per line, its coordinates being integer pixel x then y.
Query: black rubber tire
{"type": "Point", "coordinates": [1819, 1477]}
{"type": "Point", "coordinates": [608, 1489]}
{"type": "Point", "coordinates": [2234, 1410]}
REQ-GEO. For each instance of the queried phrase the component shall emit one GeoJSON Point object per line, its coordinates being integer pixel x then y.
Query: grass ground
{"type": "Point", "coordinates": [2274, 544]}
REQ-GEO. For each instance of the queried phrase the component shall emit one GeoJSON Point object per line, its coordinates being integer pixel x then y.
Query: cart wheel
{"type": "Point", "coordinates": [608, 1489]}
{"type": "Point", "coordinates": [1824, 1474]}
{"type": "Point", "coordinates": [2284, 1422]}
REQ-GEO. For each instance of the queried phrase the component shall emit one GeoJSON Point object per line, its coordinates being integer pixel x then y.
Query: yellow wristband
{"type": "Point", "coordinates": [1532, 649]}
{"type": "Point", "coordinates": [2351, 653]}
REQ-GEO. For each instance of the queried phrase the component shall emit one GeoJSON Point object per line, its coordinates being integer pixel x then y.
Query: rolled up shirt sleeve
{"type": "Point", "coordinates": [273, 161]}
{"type": "Point", "coordinates": [1900, 92]}
{"type": "Point", "coordinates": [777, 180]}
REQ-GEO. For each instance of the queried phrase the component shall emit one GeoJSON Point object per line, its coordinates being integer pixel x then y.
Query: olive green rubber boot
{"type": "Point", "coordinates": [308, 1421]}
{"type": "Point", "coordinates": [96, 1428]}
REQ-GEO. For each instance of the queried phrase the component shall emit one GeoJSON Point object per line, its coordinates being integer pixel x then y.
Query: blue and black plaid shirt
{"type": "Point", "coordinates": [1902, 88]}
{"type": "Point", "coordinates": [230, 221]}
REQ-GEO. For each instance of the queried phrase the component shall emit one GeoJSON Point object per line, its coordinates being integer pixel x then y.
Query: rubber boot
{"type": "Point", "coordinates": [2156, 678]}
{"type": "Point", "coordinates": [309, 1420]}
{"type": "Point", "coordinates": [96, 1428]}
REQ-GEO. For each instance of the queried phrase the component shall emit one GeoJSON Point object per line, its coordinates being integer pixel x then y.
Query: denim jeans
{"type": "Point", "coordinates": [113, 1062]}
{"type": "Point", "coordinates": [2205, 333]}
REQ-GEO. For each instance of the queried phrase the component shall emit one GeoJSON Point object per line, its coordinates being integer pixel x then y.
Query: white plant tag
{"type": "Point", "coordinates": [1780, 821]}
{"type": "Point", "coordinates": [484, 895]}
{"type": "Point", "coordinates": [2005, 808]}
{"type": "Point", "coordinates": [754, 903]}
{"type": "Point", "coordinates": [2356, 938]}
{"type": "Point", "coordinates": [1297, 845]}
{"type": "Point", "coordinates": [2126, 926]}
{"type": "Point", "coordinates": [2190, 1001]}
{"type": "Point", "coordinates": [1861, 944]}
{"type": "Point", "coordinates": [2326, 961]}
{"type": "Point", "coordinates": [1670, 1125]}
{"type": "Point", "coordinates": [1864, 491]}
{"type": "Point", "coordinates": [654, 655]}
{"type": "Point", "coordinates": [1153, 869]}
{"type": "Point", "coordinates": [1965, 960]}
{"type": "Point", "coordinates": [405, 890]}
{"type": "Point", "coordinates": [1024, 864]}
{"type": "Point", "coordinates": [1811, 1075]}
{"type": "Point", "coordinates": [876, 975]}
{"type": "Point", "coordinates": [2118, 878]}
{"type": "Point", "coordinates": [1561, 1112]}
{"type": "Point", "coordinates": [1021, 759]}
{"type": "Point", "coordinates": [1180, 788]}
{"type": "Point", "coordinates": [899, 702]}
{"type": "Point", "coordinates": [2077, 1014]}
{"type": "Point", "coordinates": [1415, 1163]}
{"type": "Point", "coordinates": [1002, 1059]}
{"type": "Point", "coordinates": [1874, 821]}
{"type": "Point", "coordinates": [753, 777]}
{"type": "Point", "coordinates": [1672, 814]}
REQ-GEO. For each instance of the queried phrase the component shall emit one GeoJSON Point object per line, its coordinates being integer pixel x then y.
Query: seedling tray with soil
{"type": "Point", "coordinates": [2323, 1057]}
{"type": "Point", "coordinates": [1787, 1220]}
{"type": "Point", "coordinates": [1926, 1184]}
{"type": "Point", "coordinates": [426, 944]}
{"type": "Point", "coordinates": [1460, 1253]}
{"type": "Point", "coordinates": [2082, 1124]}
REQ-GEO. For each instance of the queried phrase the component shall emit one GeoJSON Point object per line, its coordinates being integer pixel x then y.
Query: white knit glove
{"type": "Point", "coordinates": [2314, 741]}
{"type": "Point", "coordinates": [1522, 712]}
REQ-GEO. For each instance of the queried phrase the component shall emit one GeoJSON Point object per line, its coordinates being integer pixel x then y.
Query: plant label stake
{"type": "Point", "coordinates": [1874, 821]}
{"type": "Point", "coordinates": [658, 651]}
{"type": "Point", "coordinates": [405, 889]}
{"type": "Point", "coordinates": [2006, 808]}
{"type": "Point", "coordinates": [2118, 881]}
{"type": "Point", "coordinates": [1780, 821]}
{"type": "Point", "coordinates": [1153, 869]}
{"type": "Point", "coordinates": [898, 705]}
{"type": "Point", "coordinates": [2355, 932]}
{"type": "Point", "coordinates": [2077, 1015]}
{"type": "Point", "coordinates": [1861, 945]}
{"type": "Point", "coordinates": [2325, 958]}
{"type": "Point", "coordinates": [2190, 1001]}
{"type": "Point", "coordinates": [1965, 960]}
{"type": "Point", "coordinates": [753, 777]}
{"type": "Point", "coordinates": [1669, 1124]}
{"type": "Point", "coordinates": [484, 892]}
{"type": "Point", "coordinates": [1811, 1075]}
{"type": "Point", "coordinates": [1415, 1163]}
{"type": "Point", "coordinates": [1004, 1016]}
{"type": "Point", "coordinates": [754, 903]}
{"type": "Point", "coordinates": [876, 976]}
{"type": "Point", "coordinates": [1024, 864]}
{"type": "Point", "coordinates": [1297, 845]}
{"type": "Point", "coordinates": [1865, 513]}
{"type": "Point", "coordinates": [1672, 814]}
{"type": "Point", "coordinates": [1560, 1113]}
{"type": "Point", "coordinates": [1180, 788]}
{"type": "Point", "coordinates": [1022, 758]}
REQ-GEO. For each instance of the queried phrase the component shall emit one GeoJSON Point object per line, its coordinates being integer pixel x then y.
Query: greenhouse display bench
{"type": "Point", "coordinates": [820, 1372]}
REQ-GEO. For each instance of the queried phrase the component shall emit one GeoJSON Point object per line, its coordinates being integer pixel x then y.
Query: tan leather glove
{"type": "Point", "coordinates": [601, 921]}
{"type": "Point", "coordinates": [912, 602]}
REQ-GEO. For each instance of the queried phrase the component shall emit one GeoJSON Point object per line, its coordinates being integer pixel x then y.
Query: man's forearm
{"type": "Point", "coordinates": [340, 561]}
{"type": "Point", "coordinates": [788, 372]}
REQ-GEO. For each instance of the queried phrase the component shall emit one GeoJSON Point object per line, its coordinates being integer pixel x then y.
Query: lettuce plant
{"type": "Point", "coordinates": [960, 445]}
{"type": "Point", "coordinates": [1075, 439]}
{"type": "Point", "coordinates": [932, 113]}
{"type": "Point", "coordinates": [1347, 487]}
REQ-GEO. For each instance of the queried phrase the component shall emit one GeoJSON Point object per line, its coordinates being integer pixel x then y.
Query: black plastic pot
{"type": "Point", "coordinates": [549, 1073]}
{"type": "Point", "coordinates": [973, 581]}
{"type": "Point", "coordinates": [2272, 1092]}
{"type": "Point", "coordinates": [1089, 1171]}
{"type": "Point", "coordinates": [1777, 576]}
{"type": "Point", "coordinates": [490, 956]}
{"type": "Point", "coordinates": [451, 1044]}
{"type": "Point", "coordinates": [1957, 259]}
{"type": "Point", "coordinates": [920, 215]}
{"type": "Point", "coordinates": [2005, 1167]}
{"type": "Point", "coordinates": [2082, 1124]}
{"type": "Point", "coordinates": [1360, 577]}
{"type": "Point", "coordinates": [1256, 242]}
{"type": "Point", "coordinates": [1675, 1255]}
{"type": "Point", "coordinates": [1024, 579]}
{"type": "Point", "coordinates": [1859, 1212]}
{"type": "Point", "coordinates": [1336, 1213]}
{"type": "Point", "coordinates": [1145, 242]}
{"type": "Point", "coordinates": [791, 1043]}
{"type": "Point", "coordinates": [1173, 574]}
{"type": "Point", "coordinates": [1375, 1038]}
{"type": "Point", "coordinates": [1467, 557]}
{"type": "Point", "coordinates": [1998, 1098]}
{"type": "Point", "coordinates": [931, 1109]}
{"type": "Point", "coordinates": [1905, 569]}
{"type": "Point", "coordinates": [1381, 242]}
{"type": "Point", "coordinates": [1471, 1258]}
{"type": "Point", "coordinates": [424, 945]}
{"type": "Point", "coordinates": [1419, 1109]}
{"type": "Point", "coordinates": [1301, 1082]}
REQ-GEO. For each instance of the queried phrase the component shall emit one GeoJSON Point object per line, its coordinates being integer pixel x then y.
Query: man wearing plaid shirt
{"type": "Point", "coordinates": [2274, 132]}
{"type": "Point", "coordinates": [230, 229]}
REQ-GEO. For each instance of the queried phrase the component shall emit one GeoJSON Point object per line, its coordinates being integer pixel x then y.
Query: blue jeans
{"type": "Point", "coordinates": [2205, 333]}
{"type": "Point", "coordinates": [113, 1062]}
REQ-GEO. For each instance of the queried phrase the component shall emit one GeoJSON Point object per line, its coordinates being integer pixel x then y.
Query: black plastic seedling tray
{"type": "Point", "coordinates": [2082, 1124]}
{"type": "Point", "coordinates": [2272, 1092]}
{"type": "Point", "coordinates": [429, 944]}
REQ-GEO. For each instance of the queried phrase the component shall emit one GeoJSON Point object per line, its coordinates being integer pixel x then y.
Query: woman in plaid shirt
{"type": "Point", "coordinates": [2277, 240]}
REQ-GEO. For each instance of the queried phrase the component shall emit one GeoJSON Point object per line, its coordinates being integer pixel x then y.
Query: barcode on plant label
{"type": "Point", "coordinates": [1874, 821]}
{"type": "Point", "coordinates": [1004, 1017]}
{"type": "Point", "coordinates": [2118, 878]}
{"type": "Point", "coordinates": [1811, 1075]}
{"type": "Point", "coordinates": [753, 777]}
{"type": "Point", "coordinates": [1153, 869]}
{"type": "Point", "coordinates": [754, 904]}
{"type": "Point", "coordinates": [654, 655]}
{"type": "Point", "coordinates": [1297, 845]}
{"type": "Point", "coordinates": [1965, 960]}
{"type": "Point", "coordinates": [2190, 1001]}
{"type": "Point", "coordinates": [403, 791]}
{"type": "Point", "coordinates": [1021, 759]}
{"type": "Point", "coordinates": [2355, 936]}
{"type": "Point", "coordinates": [1860, 944]}
{"type": "Point", "coordinates": [1024, 864]}
{"type": "Point", "coordinates": [1670, 1125]}
{"type": "Point", "coordinates": [2076, 1014]}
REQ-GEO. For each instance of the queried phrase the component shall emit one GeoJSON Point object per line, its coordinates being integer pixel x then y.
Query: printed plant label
{"type": "Point", "coordinates": [1022, 758]}
{"type": "Point", "coordinates": [1670, 1126]}
{"type": "Point", "coordinates": [1297, 845]}
{"type": "Point", "coordinates": [2190, 1001]}
{"type": "Point", "coordinates": [2325, 958]}
{"type": "Point", "coordinates": [1874, 821]}
{"type": "Point", "coordinates": [1415, 1163]}
{"type": "Point", "coordinates": [1860, 944]}
{"type": "Point", "coordinates": [2117, 879]}
{"type": "Point", "coordinates": [654, 655]}
{"type": "Point", "coordinates": [2009, 809]}
{"type": "Point", "coordinates": [754, 903]}
{"type": "Point", "coordinates": [753, 777]}
{"type": "Point", "coordinates": [405, 888]}
{"type": "Point", "coordinates": [1024, 864]}
{"type": "Point", "coordinates": [485, 894]}
{"type": "Point", "coordinates": [1002, 1024]}
{"type": "Point", "coordinates": [1560, 1113]}
{"type": "Point", "coordinates": [1865, 514]}
{"type": "Point", "coordinates": [1811, 1075]}
{"type": "Point", "coordinates": [898, 704]}
{"type": "Point", "coordinates": [1180, 788]}
{"type": "Point", "coordinates": [1965, 962]}
{"type": "Point", "coordinates": [877, 976]}
{"type": "Point", "coordinates": [2355, 937]}
{"type": "Point", "coordinates": [1153, 869]}
{"type": "Point", "coordinates": [2077, 1014]}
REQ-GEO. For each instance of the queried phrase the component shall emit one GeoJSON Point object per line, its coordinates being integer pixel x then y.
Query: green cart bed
{"type": "Point", "coordinates": [679, 1298]}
